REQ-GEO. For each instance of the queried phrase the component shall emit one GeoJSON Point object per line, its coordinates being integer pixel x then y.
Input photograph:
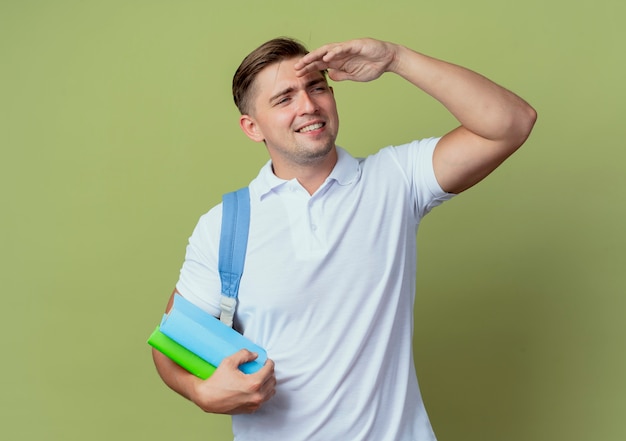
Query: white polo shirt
{"type": "Point", "coordinates": [328, 290]}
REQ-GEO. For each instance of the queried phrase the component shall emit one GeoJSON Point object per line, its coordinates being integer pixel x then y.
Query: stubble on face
{"type": "Point", "coordinates": [307, 155]}
{"type": "Point", "coordinates": [308, 100]}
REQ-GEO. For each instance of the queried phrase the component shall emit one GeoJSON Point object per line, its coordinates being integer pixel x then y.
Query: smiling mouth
{"type": "Point", "coordinates": [311, 127]}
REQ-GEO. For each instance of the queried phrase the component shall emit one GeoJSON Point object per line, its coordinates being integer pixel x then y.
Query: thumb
{"type": "Point", "coordinates": [337, 75]}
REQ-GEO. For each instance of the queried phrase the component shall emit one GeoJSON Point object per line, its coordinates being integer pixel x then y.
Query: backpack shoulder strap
{"type": "Point", "coordinates": [232, 250]}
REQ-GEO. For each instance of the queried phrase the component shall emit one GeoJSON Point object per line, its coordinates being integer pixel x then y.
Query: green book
{"type": "Point", "coordinates": [180, 355]}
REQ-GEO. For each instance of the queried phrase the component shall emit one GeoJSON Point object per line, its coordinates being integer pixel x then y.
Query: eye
{"type": "Point", "coordinates": [282, 100]}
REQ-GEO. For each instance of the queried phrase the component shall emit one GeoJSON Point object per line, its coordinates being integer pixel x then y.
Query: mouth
{"type": "Point", "coordinates": [311, 127]}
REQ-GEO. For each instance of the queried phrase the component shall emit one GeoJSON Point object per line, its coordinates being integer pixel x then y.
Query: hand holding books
{"type": "Point", "coordinates": [199, 342]}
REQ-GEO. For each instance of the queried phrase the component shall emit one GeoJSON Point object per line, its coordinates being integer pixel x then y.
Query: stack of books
{"type": "Point", "coordinates": [199, 342]}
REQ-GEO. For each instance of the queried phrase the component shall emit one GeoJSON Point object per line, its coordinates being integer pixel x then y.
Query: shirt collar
{"type": "Point", "coordinates": [346, 171]}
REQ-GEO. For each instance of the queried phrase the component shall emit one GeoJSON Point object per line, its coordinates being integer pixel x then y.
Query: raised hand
{"type": "Point", "coordinates": [357, 60]}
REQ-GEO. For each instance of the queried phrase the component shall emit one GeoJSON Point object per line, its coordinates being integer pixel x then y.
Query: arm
{"type": "Point", "coordinates": [494, 121]}
{"type": "Point", "coordinates": [228, 390]}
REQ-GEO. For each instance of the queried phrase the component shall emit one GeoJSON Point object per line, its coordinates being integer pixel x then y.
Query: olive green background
{"type": "Point", "coordinates": [117, 131]}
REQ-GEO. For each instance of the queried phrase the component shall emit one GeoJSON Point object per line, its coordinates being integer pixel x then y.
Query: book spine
{"type": "Point", "coordinates": [206, 336]}
{"type": "Point", "coordinates": [180, 355]}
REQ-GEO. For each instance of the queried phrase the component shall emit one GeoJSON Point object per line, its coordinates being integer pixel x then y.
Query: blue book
{"type": "Point", "coordinates": [206, 336]}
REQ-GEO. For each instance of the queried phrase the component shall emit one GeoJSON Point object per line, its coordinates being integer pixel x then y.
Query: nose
{"type": "Point", "coordinates": [306, 105]}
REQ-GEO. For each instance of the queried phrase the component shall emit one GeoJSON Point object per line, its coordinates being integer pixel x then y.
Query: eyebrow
{"type": "Point", "coordinates": [288, 90]}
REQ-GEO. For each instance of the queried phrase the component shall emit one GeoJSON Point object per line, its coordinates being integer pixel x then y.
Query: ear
{"type": "Point", "coordinates": [250, 128]}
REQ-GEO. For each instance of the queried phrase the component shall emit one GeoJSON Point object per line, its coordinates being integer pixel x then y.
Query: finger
{"type": "Point", "coordinates": [268, 388]}
{"type": "Point", "coordinates": [336, 51]}
{"type": "Point", "coordinates": [267, 369]}
{"type": "Point", "coordinates": [240, 357]}
{"type": "Point", "coordinates": [266, 378]}
{"type": "Point", "coordinates": [338, 75]}
{"type": "Point", "coordinates": [318, 58]}
{"type": "Point", "coordinates": [314, 66]}
{"type": "Point", "coordinates": [306, 60]}
{"type": "Point", "coordinates": [318, 53]}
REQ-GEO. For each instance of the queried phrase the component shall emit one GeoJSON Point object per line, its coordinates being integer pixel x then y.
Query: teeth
{"type": "Point", "coordinates": [311, 127]}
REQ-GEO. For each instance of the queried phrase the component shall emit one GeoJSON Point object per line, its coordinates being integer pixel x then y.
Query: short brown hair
{"type": "Point", "coordinates": [271, 52]}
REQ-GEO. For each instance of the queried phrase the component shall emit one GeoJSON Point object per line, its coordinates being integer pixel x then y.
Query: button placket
{"type": "Point", "coordinates": [315, 223]}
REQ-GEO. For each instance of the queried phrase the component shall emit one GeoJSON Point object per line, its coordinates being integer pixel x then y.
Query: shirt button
{"type": "Point", "coordinates": [313, 227]}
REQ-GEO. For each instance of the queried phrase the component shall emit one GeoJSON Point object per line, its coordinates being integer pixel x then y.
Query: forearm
{"type": "Point", "coordinates": [228, 390]}
{"type": "Point", "coordinates": [494, 121]}
{"type": "Point", "coordinates": [174, 376]}
{"type": "Point", "coordinates": [480, 105]}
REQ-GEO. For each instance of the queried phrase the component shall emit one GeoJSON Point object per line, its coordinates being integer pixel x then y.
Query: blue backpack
{"type": "Point", "coordinates": [232, 252]}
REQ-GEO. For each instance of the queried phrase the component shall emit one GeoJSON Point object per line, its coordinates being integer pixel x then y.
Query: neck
{"type": "Point", "coordinates": [310, 175]}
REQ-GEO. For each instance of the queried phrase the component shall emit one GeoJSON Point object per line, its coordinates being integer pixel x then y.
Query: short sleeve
{"type": "Point", "coordinates": [199, 280]}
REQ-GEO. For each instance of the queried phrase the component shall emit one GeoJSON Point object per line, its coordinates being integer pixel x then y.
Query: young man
{"type": "Point", "coordinates": [329, 283]}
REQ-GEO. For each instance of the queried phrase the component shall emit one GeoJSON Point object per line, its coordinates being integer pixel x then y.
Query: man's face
{"type": "Point", "coordinates": [296, 117]}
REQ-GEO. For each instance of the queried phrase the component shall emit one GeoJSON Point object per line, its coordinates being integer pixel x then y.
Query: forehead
{"type": "Point", "coordinates": [281, 76]}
